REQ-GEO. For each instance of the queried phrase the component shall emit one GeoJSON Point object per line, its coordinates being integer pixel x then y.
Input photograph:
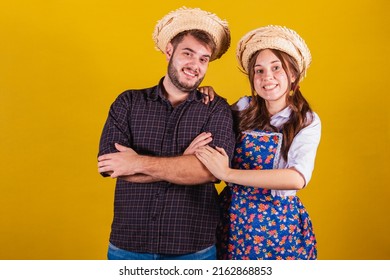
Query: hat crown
{"type": "Point", "coordinates": [274, 37]}
{"type": "Point", "coordinates": [184, 19]}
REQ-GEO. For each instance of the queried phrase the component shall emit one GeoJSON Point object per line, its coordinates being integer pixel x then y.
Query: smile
{"type": "Point", "coordinates": [269, 87]}
{"type": "Point", "coordinates": [189, 73]}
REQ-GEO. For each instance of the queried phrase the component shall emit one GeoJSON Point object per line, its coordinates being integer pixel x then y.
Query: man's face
{"type": "Point", "coordinates": [188, 64]}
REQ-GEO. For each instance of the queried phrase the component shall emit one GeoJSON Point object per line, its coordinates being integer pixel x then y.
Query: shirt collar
{"type": "Point", "coordinates": [194, 95]}
{"type": "Point", "coordinates": [285, 113]}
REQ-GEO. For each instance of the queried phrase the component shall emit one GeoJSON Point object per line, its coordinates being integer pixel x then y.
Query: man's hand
{"type": "Point", "coordinates": [201, 140]}
{"type": "Point", "coordinates": [122, 163]}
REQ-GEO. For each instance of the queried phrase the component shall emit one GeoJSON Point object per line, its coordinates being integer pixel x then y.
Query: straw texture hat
{"type": "Point", "coordinates": [274, 37]}
{"type": "Point", "coordinates": [184, 19]}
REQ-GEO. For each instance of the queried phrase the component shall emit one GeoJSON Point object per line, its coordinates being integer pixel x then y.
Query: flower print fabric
{"type": "Point", "coordinates": [255, 224]}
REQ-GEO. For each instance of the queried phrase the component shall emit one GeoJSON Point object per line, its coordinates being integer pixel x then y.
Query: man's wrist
{"type": "Point", "coordinates": [142, 164]}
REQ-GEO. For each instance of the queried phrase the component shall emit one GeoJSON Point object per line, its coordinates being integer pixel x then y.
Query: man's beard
{"type": "Point", "coordinates": [174, 76]}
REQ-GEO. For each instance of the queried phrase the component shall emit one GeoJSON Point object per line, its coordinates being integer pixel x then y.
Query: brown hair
{"type": "Point", "coordinates": [199, 35]}
{"type": "Point", "coordinates": [256, 116]}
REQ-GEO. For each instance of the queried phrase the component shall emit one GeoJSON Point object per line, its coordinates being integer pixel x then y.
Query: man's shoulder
{"type": "Point", "coordinates": [131, 94]}
{"type": "Point", "coordinates": [220, 102]}
{"type": "Point", "coordinates": [139, 91]}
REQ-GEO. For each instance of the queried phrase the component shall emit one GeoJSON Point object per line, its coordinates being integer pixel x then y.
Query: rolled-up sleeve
{"type": "Point", "coordinates": [116, 129]}
{"type": "Point", "coordinates": [220, 124]}
{"type": "Point", "coordinates": [303, 150]}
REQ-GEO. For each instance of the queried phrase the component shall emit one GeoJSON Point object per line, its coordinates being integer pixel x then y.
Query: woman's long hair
{"type": "Point", "coordinates": [256, 116]}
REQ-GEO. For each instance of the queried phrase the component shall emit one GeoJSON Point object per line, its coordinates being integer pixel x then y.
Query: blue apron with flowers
{"type": "Point", "coordinates": [256, 224]}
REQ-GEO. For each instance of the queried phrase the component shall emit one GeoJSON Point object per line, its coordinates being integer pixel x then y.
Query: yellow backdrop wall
{"type": "Point", "coordinates": [62, 63]}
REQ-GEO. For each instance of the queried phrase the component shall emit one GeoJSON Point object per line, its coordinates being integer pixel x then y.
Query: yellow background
{"type": "Point", "coordinates": [62, 63]}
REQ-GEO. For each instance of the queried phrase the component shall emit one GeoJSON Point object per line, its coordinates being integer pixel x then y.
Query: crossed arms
{"type": "Point", "coordinates": [126, 164]}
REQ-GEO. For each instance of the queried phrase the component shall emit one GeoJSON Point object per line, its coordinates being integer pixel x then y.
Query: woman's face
{"type": "Point", "coordinates": [270, 80]}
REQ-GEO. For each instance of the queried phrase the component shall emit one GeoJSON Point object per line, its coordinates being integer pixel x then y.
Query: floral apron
{"type": "Point", "coordinates": [256, 224]}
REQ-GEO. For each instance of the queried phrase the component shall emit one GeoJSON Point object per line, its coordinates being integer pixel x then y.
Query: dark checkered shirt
{"type": "Point", "coordinates": [164, 218]}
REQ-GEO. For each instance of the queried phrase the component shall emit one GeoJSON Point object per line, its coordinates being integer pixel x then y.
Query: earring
{"type": "Point", "coordinates": [291, 93]}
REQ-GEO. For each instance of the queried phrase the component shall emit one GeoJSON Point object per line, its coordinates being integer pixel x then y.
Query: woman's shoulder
{"type": "Point", "coordinates": [314, 125]}
{"type": "Point", "coordinates": [315, 119]}
{"type": "Point", "coordinates": [241, 104]}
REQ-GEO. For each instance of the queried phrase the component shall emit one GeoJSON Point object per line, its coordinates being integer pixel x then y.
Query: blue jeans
{"type": "Point", "coordinates": [115, 253]}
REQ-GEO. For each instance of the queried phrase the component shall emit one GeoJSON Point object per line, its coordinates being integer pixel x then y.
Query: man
{"type": "Point", "coordinates": [165, 200]}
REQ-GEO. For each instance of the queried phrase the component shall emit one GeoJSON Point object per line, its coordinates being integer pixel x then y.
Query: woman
{"type": "Point", "coordinates": [278, 136]}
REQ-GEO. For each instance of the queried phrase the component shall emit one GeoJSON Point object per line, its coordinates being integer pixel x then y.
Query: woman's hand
{"type": "Point", "coordinates": [208, 93]}
{"type": "Point", "coordinates": [201, 140]}
{"type": "Point", "coordinates": [216, 160]}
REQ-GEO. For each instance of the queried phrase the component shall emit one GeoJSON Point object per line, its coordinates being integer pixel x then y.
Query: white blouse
{"type": "Point", "coordinates": [303, 149]}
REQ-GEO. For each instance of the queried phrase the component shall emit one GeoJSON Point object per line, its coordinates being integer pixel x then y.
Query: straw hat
{"type": "Point", "coordinates": [274, 37]}
{"type": "Point", "coordinates": [184, 19]}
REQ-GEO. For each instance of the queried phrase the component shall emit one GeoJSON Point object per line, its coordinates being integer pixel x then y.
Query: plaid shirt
{"type": "Point", "coordinates": [164, 218]}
